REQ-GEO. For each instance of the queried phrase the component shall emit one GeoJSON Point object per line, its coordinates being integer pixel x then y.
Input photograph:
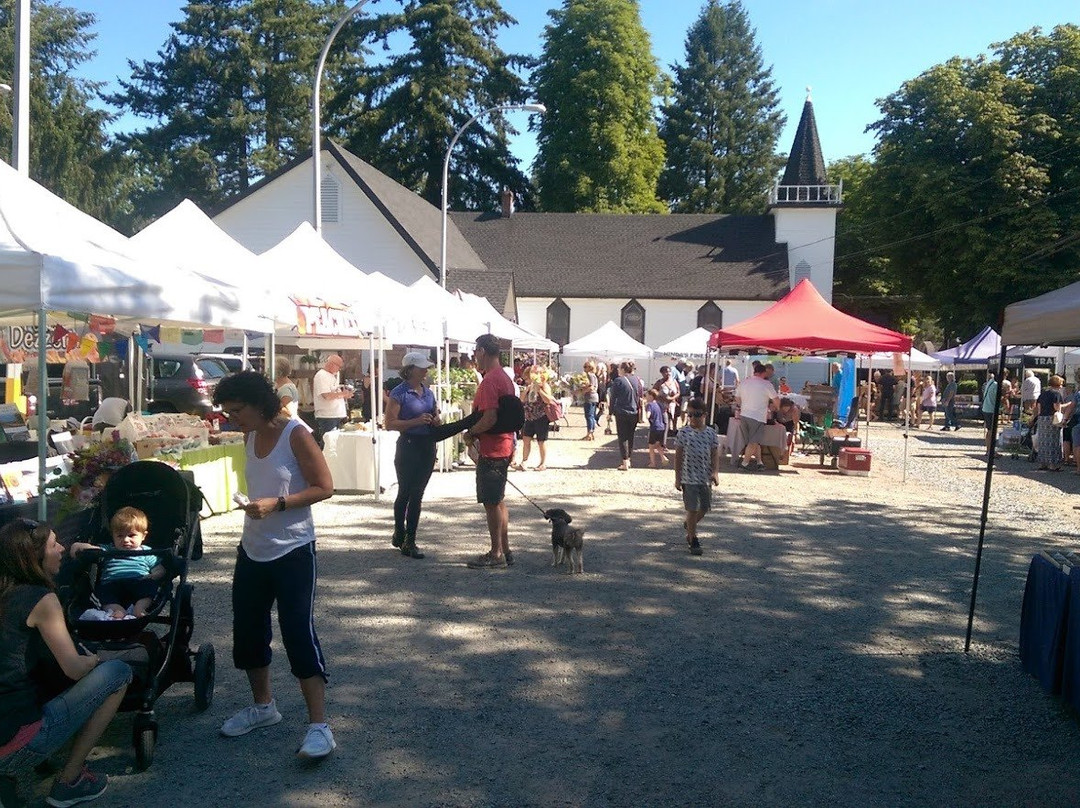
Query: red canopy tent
{"type": "Point", "coordinates": [803, 323]}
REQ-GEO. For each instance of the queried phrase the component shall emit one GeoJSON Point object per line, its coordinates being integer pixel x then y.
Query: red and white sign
{"type": "Point", "coordinates": [317, 318]}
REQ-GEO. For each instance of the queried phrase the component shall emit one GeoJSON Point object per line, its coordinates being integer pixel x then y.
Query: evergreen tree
{"type": "Point", "coordinates": [598, 144]}
{"type": "Point", "coordinates": [721, 127]}
{"type": "Point", "coordinates": [70, 151]}
{"type": "Point", "coordinates": [401, 114]}
{"type": "Point", "coordinates": [229, 97]}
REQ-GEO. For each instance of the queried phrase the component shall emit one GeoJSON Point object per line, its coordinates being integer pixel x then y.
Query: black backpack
{"type": "Point", "coordinates": [510, 415]}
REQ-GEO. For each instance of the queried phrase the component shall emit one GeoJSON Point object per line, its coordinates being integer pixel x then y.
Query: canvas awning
{"type": "Point", "coordinates": [975, 351]}
{"type": "Point", "coordinates": [693, 343]}
{"type": "Point", "coordinates": [1050, 319]}
{"type": "Point", "coordinates": [608, 342]}
{"type": "Point", "coordinates": [802, 322]}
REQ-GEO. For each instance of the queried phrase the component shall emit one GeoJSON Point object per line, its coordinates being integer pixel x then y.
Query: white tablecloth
{"type": "Point", "coordinates": [351, 458]}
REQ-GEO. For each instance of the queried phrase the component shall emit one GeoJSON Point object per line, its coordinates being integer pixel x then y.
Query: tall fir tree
{"type": "Point", "coordinates": [228, 97]}
{"type": "Point", "coordinates": [720, 128]}
{"type": "Point", "coordinates": [400, 114]}
{"type": "Point", "coordinates": [71, 152]}
{"type": "Point", "coordinates": [598, 147]}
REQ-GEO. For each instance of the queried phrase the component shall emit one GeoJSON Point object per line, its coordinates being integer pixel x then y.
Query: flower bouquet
{"type": "Point", "coordinates": [91, 467]}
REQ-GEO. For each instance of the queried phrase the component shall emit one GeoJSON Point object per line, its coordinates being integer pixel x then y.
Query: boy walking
{"type": "Point", "coordinates": [697, 467]}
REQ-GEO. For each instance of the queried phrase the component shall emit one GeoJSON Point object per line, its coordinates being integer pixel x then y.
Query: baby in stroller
{"type": "Point", "coordinates": [130, 580]}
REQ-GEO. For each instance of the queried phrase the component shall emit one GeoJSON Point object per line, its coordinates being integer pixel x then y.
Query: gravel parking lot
{"type": "Point", "coordinates": [812, 656]}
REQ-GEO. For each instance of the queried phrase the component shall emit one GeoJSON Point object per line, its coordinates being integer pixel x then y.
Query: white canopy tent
{"type": "Point", "coordinates": [918, 360]}
{"type": "Point", "coordinates": [461, 322]}
{"type": "Point", "coordinates": [693, 343]}
{"type": "Point", "coordinates": [498, 325]}
{"type": "Point", "coordinates": [54, 257]}
{"type": "Point", "coordinates": [302, 264]}
{"type": "Point", "coordinates": [608, 342]}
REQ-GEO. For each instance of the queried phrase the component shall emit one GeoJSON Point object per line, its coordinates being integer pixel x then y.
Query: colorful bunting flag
{"type": "Point", "coordinates": [215, 336]}
{"type": "Point", "coordinates": [191, 337]}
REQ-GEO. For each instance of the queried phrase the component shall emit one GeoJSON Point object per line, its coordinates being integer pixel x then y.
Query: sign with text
{"type": "Point", "coordinates": [317, 318]}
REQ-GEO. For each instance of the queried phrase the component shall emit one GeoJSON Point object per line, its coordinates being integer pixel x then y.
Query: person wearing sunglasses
{"type": "Point", "coordinates": [35, 723]}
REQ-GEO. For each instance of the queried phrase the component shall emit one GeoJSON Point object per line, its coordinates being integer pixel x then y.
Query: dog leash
{"type": "Point", "coordinates": [542, 511]}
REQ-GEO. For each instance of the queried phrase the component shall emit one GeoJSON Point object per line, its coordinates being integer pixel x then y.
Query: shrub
{"type": "Point", "coordinates": [967, 387]}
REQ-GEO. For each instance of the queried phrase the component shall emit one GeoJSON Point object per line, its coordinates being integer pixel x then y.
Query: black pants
{"type": "Point", "coordinates": [290, 580]}
{"type": "Point", "coordinates": [625, 426]}
{"type": "Point", "coordinates": [414, 461]}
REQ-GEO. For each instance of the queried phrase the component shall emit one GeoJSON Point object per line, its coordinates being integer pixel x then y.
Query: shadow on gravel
{"type": "Point", "coordinates": [809, 657]}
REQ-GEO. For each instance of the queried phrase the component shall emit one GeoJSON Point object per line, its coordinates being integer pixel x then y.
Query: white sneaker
{"type": "Point", "coordinates": [251, 718]}
{"type": "Point", "coordinates": [318, 743]}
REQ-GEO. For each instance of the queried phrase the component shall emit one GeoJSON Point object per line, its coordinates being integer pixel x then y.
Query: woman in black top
{"type": "Point", "coordinates": [33, 723]}
{"type": "Point", "coordinates": [1047, 435]}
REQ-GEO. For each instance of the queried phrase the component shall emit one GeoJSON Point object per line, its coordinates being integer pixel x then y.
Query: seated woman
{"type": "Point", "coordinates": [34, 724]}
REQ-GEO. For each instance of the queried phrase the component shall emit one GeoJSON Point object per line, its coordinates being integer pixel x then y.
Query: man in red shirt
{"type": "Point", "coordinates": [495, 449]}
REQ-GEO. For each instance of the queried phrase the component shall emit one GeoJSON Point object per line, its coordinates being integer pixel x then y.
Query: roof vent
{"type": "Point", "coordinates": [802, 272]}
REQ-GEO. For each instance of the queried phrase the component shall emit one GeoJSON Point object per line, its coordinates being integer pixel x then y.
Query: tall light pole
{"type": "Point", "coordinates": [540, 109]}
{"type": "Point", "coordinates": [316, 141]}
{"type": "Point", "coordinates": [20, 124]}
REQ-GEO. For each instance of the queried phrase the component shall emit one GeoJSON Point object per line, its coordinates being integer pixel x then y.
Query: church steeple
{"type": "Point", "coordinates": [804, 207]}
{"type": "Point", "coordinates": [804, 179]}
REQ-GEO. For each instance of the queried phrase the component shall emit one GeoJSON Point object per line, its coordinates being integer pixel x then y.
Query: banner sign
{"type": "Point", "coordinates": [316, 318]}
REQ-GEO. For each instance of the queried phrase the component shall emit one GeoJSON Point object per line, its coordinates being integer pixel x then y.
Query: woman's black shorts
{"type": "Point", "coordinates": [537, 428]}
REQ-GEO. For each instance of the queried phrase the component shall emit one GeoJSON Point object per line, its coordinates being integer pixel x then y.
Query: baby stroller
{"type": "Point", "coordinates": [157, 645]}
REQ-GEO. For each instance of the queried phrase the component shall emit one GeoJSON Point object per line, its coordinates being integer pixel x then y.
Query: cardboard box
{"type": "Point", "coordinates": [854, 462]}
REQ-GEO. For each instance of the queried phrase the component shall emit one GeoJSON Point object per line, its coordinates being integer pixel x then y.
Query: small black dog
{"type": "Point", "coordinates": [566, 541]}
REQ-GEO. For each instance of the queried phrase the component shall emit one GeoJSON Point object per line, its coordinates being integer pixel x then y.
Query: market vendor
{"type": "Point", "coordinates": [110, 413]}
{"type": "Point", "coordinates": [330, 397]}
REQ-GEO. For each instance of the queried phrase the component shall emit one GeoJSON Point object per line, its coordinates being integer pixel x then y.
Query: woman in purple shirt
{"type": "Point", "coordinates": [411, 411]}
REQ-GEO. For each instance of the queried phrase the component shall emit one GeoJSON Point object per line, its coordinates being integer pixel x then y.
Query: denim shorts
{"type": "Point", "coordinates": [65, 715]}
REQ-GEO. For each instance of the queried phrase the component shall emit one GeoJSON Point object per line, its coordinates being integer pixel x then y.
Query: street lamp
{"type": "Point", "coordinates": [316, 145]}
{"type": "Point", "coordinates": [540, 109]}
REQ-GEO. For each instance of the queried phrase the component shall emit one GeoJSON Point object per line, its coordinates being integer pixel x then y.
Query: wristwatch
{"type": "Point", "coordinates": [281, 503]}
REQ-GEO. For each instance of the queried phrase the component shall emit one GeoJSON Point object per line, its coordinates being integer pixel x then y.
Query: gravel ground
{"type": "Point", "coordinates": [812, 656]}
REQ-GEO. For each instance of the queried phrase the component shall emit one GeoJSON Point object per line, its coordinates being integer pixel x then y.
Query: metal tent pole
{"type": "Point", "coordinates": [42, 412]}
{"type": "Point", "coordinates": [990, 453]}
{"type": "Point", "coordinates": [907, 413]}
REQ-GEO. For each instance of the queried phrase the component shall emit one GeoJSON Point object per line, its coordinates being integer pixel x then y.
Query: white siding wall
{"type": "Point", "coordinates": [664, 319]}
{"type": "Point", "coordinates": [362, 235]}
{"type": "Point", "coordinates": [810, 234]}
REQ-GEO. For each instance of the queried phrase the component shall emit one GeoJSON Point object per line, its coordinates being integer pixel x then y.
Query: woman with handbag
{"type": "Point", "coordinates": [1048, 434]}
{"type": "Point", "coordinates": [537, 397]}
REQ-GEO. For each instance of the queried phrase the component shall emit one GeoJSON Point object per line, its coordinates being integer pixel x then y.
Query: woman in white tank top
{"type": "Point", "coordinates": [286, 474]}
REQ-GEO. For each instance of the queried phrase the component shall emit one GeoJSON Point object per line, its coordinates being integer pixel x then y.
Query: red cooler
{"type": "Point", "coordinates": [854, 462]}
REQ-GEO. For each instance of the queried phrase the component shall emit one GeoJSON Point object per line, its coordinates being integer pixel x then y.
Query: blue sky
{"type": "Point", "coordinates": [851, 52]}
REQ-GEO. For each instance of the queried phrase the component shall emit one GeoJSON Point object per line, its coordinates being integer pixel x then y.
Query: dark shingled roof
{"type": "Point", "coordinates": [677, 256]}
{"type": "Point", "coordinates": [805, 165]}
{"type": "Point", "coordinates": [497, 287]}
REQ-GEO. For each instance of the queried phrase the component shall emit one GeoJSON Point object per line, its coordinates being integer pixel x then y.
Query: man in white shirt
{"type": "Point", "coordinates": [329, 397]}
{"type": "Point", "coordinates": [1030, 390]}
{"type": "Point", "coordinates": [755, 395]}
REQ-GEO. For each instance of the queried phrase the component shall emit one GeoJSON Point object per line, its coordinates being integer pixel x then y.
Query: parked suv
{"type": "Point", "coordinates": [183, 382]}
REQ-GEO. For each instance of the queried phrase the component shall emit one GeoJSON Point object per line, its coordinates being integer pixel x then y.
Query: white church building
{"type": "Point", "coordinates": [565, 274]}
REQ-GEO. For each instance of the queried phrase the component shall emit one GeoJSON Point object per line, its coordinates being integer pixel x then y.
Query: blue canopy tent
{"type": "Point", "coordinates": [976, 351]}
